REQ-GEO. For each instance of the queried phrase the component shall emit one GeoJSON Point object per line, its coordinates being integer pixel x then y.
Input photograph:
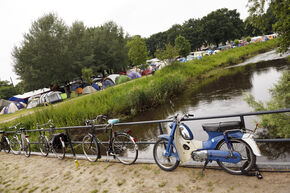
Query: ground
{"type": "Point", "coordinates": [40, 174]}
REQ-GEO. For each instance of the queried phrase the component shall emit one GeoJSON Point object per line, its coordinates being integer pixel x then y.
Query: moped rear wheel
{"type": "Point", "coordinates": [165, 163]}
{"type": "Point", "coordinates": [248, 159]}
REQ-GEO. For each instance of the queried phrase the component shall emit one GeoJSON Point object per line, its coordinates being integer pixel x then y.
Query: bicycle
{"type": "Point", "coordinates": [4, 143]}
{"type": "Point", "coordinates": [23, 144]}
{"type": "Point", "coordinates": [55, 144]}
{"type": "Point", "coordinates": [121, 145]}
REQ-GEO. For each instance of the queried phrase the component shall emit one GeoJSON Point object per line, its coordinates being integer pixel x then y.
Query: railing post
{"type": "Point", "coordinates": [242, 121]}
{"type": "Point", "coordinates": [160, 128]}
{"type": "Point", "coordinates": [69, 139]}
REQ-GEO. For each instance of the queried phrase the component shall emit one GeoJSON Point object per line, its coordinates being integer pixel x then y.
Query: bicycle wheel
{"type": "Point", "coordinates": [125, 148]}
{"type": "Point", "coordinates": [248, 159]}
{"type": "Point", "coordinates": [58, 147]}
{"type": "Point", "coordinates": [15, 146]}
{"type": "Point", "coordinates": [165, 163]}
{"type": "Point", "coordinates": [91, 148]}
{"type": "Point", "coordinates": [5, 145]}
{"type": "Point", "coordinates": [26, 147]}
{"type": "Point", "coordinates": [43, 145]}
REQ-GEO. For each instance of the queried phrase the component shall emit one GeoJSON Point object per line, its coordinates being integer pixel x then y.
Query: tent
{"type": "Point", "coordinates": [113, 77]}
{"type": "Point", "coordinates": [50, 97]}
{"type": "Point", "coordinates": [134, 74]}
{"type": "Point", "coordinates": [107, 82]}
{"type": "Point", "coordinates": [33, 103]}
{"type": "Point", "coordinates": [4, 102]}
{"type": "Point", "coordinates": [88, 90]}
{"type": "Point", "coordinates": [13, 107]}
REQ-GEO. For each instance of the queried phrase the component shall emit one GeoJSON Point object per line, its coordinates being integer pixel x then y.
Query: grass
{"type": "Point", "coordinates": [133, 97]}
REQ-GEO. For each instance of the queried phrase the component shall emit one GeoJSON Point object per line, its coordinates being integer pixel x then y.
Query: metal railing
{"type": "Point", "coordinates": [159, 122]}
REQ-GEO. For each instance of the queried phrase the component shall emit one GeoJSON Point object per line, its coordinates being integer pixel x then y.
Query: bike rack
{"type": "Point", "coordinates": [159, 122]}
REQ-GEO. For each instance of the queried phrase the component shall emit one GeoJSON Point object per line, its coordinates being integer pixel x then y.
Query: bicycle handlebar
{"type": "Point", "coordinates": [92, 121]}
{"type": "Point", "coordinates": [50, 123]}
{"type": "Point", "coordinates": [15, 126]}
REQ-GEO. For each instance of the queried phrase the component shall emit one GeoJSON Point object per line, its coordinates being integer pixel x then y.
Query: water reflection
{"type": "Point", "coordinates": [218, 95]}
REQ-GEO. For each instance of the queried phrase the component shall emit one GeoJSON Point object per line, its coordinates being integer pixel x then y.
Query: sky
{"type": "Point", "coordinates": [137, 17]}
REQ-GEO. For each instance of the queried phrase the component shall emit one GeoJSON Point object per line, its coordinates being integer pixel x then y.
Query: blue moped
{"type": "Point", "coordinates": [229, 144]}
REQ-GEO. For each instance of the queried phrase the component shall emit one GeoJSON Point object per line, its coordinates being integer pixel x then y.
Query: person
{"type": "Point", "coordinates": [67, 88]}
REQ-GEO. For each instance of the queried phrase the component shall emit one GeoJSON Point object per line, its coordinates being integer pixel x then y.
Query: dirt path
{"type": "Point", "coordinates": [38, 174]}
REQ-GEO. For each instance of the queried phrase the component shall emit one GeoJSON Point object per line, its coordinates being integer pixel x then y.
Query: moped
{"type": "Point", "coordinates": [229, 144]}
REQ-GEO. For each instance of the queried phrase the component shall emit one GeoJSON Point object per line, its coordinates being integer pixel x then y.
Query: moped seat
{"type": "Point", "coordinates": [221, 126]}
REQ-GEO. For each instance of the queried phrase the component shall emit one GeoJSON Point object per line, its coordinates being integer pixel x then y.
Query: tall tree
{"type": "Point", "coordinates": [42, 58]}
{"type": "Point", "coordinates": [137, 50]}
{"type": "Point", "coordinates": [281, 12]}
{"type": "Point", "coordinates": [156, 41]}
{"type": "Point", "coordinates": [182, 45]}
{"type": "Point", "coordinates": [193, 32]}
{"type": "Point", "coordinates": [222, 25]}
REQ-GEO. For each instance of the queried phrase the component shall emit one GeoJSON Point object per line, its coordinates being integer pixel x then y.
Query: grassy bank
{"type": "Point", "coordinates": [136, 96]}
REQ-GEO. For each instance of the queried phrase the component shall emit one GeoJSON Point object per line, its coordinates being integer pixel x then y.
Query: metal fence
{"type": "Point", "coordinates": [159, 122]}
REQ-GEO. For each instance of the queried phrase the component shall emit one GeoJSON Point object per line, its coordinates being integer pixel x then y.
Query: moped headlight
{"type": "Point", "coordinates": [185, 133]}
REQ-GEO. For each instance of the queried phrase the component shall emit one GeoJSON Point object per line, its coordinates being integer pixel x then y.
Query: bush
{"type": "Point", "coordinates": [248, 39]}
{"type": "Point", "coordinates": [236, 42]}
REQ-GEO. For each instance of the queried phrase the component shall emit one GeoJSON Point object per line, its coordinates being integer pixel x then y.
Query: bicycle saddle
{"type": "Point", "coordinates": [113, 121]}
{"type": "Point", "coordinates": [1, 132]}
{"type": "Point", "coordinates": [221, 126]}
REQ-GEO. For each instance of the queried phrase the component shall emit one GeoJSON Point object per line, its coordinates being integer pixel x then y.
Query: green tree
{"type": "Point", "coordinates": [42, 57]}
{"type": "Point", "coordinates": [193, 32]}
{"type": "Point", "coordinates": [87, 73]}
{"type": "Point", "coordinates": [277, 124]}
{"type": "Point", "coordinates": [7, 90]}
{"type": "Point", "coordinates": [280, 9]}
{"type": "Point", "coordinates": [156, 41]}
{"type": "Point", "coordinates": [221, 26]}
{"type": "Point", "coordinates": [182, 45]}
{"type": "Point", "coordinates": [137, 50]}
{"type": "Point", "coordinates": [168, 54]}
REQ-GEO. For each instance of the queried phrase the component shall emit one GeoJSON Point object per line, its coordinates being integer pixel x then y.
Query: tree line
{"type": "Point", "coordinates": [52, 52]}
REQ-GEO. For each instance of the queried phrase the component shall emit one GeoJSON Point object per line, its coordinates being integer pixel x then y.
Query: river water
{"type": "Point", "coordinates": [223, 95]}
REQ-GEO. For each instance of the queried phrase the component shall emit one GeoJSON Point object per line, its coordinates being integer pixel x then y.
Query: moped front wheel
{"type": "Point", "coordinates": [248, 159]}
{"type": "Point", "coordinates": [166, 163]}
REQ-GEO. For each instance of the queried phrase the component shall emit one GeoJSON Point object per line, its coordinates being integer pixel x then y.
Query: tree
{"type": "Point", "coordinates": [87, 74]}
{"type": "Point", "coordinates": [182, 45]}
{"type": "Point", "coordinates": [280, 9]}
{"type": "Point", "coordinates": [277, 124]}
{"type": "Point", "coordinates": [42, 57]}
{"type": "Point", "coordinates": [137, 50]}
{"type": "Point", "coordinates": [193, 32]}
{"type": "Point", "coordinates": [168, 54]}
{"type": "Point", "coordinates": [221, 26]}
{"type": "Point", "coordinates": [156, 41]}
{"type": "Point", "coordinates": [7, 90]}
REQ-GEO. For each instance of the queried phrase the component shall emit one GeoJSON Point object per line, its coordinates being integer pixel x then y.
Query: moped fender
{"type": "Point", "coordinates": [165, 136]}
{"type": "Point", "coordinates": [248, 138]}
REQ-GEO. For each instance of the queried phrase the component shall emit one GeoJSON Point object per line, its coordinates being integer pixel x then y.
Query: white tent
{"type": "Point", "coordinates": [88, 90]}
{"type": "Point", "coordinates": [51, 97]}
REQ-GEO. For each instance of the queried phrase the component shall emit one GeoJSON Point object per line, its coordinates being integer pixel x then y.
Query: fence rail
{"type": "Point", "coordinates": [159, 122]}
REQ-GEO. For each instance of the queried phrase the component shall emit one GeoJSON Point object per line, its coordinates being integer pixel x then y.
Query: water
{"type": "Point", "coordinates": [224, 95]}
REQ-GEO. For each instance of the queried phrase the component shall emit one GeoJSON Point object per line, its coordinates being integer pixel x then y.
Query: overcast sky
{"type": "Point", "coordinates": [142, 17]}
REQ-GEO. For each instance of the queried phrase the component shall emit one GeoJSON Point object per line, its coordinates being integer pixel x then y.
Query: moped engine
{"type": "Point", "coordinates": [199, 155]}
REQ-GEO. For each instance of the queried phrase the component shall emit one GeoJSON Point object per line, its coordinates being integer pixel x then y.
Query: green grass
{"type": "Point", "coordinates": [133, 97]}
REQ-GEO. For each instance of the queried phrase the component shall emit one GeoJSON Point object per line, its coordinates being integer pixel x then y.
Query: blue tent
{"type": "Point", "coordinates": [13, 107]}
{"type": "Point", "coordinates": [134, 74]}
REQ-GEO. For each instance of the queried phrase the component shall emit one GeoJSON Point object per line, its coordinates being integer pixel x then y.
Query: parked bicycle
{"type": "Point", "coordinates": [56, 142]}
{"type": "Point", "coordinates": [4, 143]}
{"type": "Point", "coordinates": [229, 144]}
{"type": "Point", "coordinates": [17, 145]}
{"type": "Point", "coordinates": [121, 145]}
